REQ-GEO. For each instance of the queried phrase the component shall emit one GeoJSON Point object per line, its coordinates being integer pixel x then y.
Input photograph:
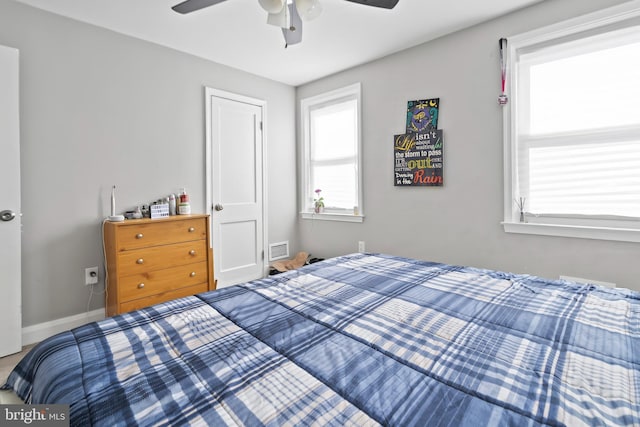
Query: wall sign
{"type": "Point", "coordinates": [422, 115]}
{"type": "Point", "coordinates": [418, 152]}
{"type": "Point", "coordinates": [418, 159]}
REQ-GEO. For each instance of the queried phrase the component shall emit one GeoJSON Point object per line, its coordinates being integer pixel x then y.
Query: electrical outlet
{"type": "Point", "coordinates": [90, 276]}
{"type": "Point", "coordinates": [361, 246]}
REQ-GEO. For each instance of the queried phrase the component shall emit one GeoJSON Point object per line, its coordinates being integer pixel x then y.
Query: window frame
{"type": "Point", "coordinates": [579, 226]}
{"type": "Point", "coordinates": [351, 92]}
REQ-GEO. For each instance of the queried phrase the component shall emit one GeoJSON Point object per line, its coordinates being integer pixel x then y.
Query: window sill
{"type": "Point", "coordinates": [324, 216]}
{"type": "Point", "coordinates": [582, 232]}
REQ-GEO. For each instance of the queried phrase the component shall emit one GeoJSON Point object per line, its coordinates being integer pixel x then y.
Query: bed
{"type": "Point", "coordinates": [357, 340]}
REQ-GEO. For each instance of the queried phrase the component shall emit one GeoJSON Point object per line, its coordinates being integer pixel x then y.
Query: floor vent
{"type": "Point", "coordinates": [278, 250]}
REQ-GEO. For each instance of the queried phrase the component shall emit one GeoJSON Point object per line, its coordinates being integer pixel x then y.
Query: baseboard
{"type": "Point", "coordinates": [36, 333]}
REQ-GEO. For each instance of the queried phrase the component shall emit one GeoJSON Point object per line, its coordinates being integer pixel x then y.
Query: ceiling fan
{"type": "Point", "coordinates": [287, 14]}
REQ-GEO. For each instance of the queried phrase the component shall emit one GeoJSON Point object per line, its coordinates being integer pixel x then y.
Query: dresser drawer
{"type": "Point", "coordinates": [154, 260]}
{"type": "Point", "coordinates": [161, 232]}
{"type": "Point", "coordinates": [165, 296]}
{"type": "Point", "coordinates": [160, 281]}
{"type": "Point", "coordinates": [161, 257]}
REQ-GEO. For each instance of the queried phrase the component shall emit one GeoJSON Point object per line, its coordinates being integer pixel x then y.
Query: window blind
{"type": "Point", "coordinates": [333, 154]}
{"type": "Point", "coordinates": [578, 148]}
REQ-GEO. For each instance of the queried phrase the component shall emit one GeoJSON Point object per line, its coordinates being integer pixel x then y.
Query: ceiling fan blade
{"type": "Point", "coordinates": [385, 4]}
{"type": "Point", "coordinates": [193, 5]}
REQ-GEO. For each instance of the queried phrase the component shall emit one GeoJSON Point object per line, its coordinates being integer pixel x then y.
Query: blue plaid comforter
{"type": "Point", "coordinates": [357, 340]}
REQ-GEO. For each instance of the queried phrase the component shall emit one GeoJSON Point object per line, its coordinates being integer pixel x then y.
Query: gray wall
{"type": "Point", "coordinates": [460, 222]}
{"type": "Point", "coordinates": [98, 109]}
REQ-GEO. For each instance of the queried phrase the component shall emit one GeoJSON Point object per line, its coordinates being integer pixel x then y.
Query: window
{"type": "Point", "coordinates": [572, 128]}
{"type": "Point", "coordinates": [331, 155]}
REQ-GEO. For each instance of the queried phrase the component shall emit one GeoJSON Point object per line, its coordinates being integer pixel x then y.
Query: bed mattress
{"type": "Point", "coordinates": [362, 339]}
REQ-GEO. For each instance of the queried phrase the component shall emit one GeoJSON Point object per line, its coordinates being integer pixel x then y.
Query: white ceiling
{"type": "Point", "coordinates": [235, 32]}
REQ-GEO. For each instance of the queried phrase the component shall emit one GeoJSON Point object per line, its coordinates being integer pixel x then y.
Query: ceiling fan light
{"type": "Point", "coordinates": [279, 19]}
{"type": "Point", "coordinates": [309, 9]}
{"type": "Point", "coordinates": [273, 6]}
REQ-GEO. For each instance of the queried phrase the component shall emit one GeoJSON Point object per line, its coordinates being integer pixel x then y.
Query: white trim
{"type": "Point", "coordinates": [265, 196]}
{"type": "Point", "coordinates": [582, 24]}
{"type": "Point", "coordinates": [578, 24]}
{"type": "Point", "coordinates": [209, 92]}
{"type": "Point", "coordinates": [353, 91]}
{"type": "Point", "coordinates": [332, 217]}
{"type": "Point", "coordinates": [583, 232]}
{"type": "Point", "coordinates": [36, 333]}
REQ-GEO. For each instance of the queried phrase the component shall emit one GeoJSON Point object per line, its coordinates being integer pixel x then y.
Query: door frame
{"type": "Point", "coordinates": [262, 104]}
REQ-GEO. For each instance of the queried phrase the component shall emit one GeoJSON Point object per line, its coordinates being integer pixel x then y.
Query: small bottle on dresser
{"type": "Point", "coordinates": [172, 204]}
{"type": "Point", "coordinates": [184, 208]}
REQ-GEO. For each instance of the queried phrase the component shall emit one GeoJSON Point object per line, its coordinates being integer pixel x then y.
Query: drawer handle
{"type": "Point", "coordinates": [139, 236]}
{"type": "Point", "coordinates": [191, 229]}
{"type": "Point", "coordinates": [192, 252]}
{"type": "Point", "coordinates": [193, 274]}
{"type": "Point", "coordinates": [141, 285]}
{"type": "Point", "coordinates": [140, 261]}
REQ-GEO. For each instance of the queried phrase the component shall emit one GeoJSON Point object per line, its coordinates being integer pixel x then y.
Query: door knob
{"type": "Point", "coordinates": [7, 215]}
{"type": "Point", "coordinates": [218, 207]}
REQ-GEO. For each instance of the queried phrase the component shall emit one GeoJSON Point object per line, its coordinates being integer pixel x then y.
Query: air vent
{"type": "Point", "coordinates": [278, 250]}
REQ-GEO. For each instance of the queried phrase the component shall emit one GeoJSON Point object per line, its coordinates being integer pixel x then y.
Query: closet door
{"type": "Point", "coordinates": [10, 224]}
{"type": "Point", "coordinates": [235, 186]}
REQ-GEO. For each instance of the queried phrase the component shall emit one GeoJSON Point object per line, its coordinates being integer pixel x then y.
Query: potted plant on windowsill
{"type": "Point", "coordinates": [318, 204]}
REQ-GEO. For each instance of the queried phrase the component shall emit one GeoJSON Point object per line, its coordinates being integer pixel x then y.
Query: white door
{"type": "Point", "coordinates": [10, 274]}
{"type": "Point", "coordinates": [235, 186]}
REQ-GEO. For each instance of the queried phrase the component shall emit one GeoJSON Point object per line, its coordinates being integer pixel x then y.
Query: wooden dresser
{"type": "Point", "coordinates": [154, 260]}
